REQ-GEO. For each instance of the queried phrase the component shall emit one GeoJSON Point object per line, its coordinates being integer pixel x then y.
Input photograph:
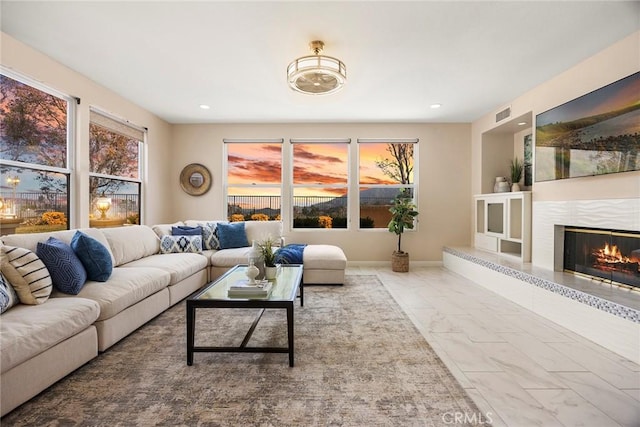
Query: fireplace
{"type": "Point", "coordinates": [612, 256]}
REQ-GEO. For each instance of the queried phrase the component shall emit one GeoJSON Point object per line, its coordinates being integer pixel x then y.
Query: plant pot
{"type": "Point", "coordinates": [400, 262]}
{"type": "Point", "coordinates": [270, 273]}
{"type": "Point", "coordinates": [515, 187]}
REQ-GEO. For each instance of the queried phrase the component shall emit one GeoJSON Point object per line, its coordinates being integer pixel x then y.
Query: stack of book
{"type": "Point", "coordinates": [244, 289]}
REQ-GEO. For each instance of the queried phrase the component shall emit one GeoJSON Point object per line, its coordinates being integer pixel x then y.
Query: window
{"type": "Point", "coordinates": [320, 183]}
{"type": "Point", "coordinates": [35, 136]}
{"type": "Point", "coordinates": [115, 149]}
{"type": "Point", "coordinates": [254, 179]}
{"type": "Point", "coordinates": [386, 169]}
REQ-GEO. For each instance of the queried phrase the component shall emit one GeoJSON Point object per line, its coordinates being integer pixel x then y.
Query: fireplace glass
{"type": "Point", "coordinates": [609, 255]}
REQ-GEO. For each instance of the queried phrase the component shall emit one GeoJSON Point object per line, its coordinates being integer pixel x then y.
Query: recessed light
{"type": "Point", "coordinates": [434, 106]}
{"type": "Point", "coordinates": [204, 106]}
{"type": "Point", "coordinates": [522, 123]}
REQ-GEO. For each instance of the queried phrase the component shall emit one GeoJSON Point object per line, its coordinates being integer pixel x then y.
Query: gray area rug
{"type": "Point", "coordinates": [359, 361]}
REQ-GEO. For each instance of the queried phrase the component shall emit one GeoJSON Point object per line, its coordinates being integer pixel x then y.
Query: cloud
{"type": "Point", "coordinates": [300, 153]}
{"type": "Point", "coordinates": [305, 175]}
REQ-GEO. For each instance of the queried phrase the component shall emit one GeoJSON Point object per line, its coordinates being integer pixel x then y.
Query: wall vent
{"type": "Point", "coordinates": [504, 114]}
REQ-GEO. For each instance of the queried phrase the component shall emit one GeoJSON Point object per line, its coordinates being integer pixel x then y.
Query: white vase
{"type": "Point", "coordinates": [515, 187]}
{"type": "Point", "coordinates": [500, 180]}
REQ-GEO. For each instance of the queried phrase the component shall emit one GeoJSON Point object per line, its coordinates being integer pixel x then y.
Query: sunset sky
{"type": "Point", "coordinates": [314, 164]}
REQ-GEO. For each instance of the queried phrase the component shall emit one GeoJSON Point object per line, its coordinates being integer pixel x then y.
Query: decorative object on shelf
{"type": "Point", "coordinates": [316, 74]}
{"type": "Point", "coordinates": [403, 213]}
{"type": "Point", "coordinates": [252, 272]}
{"type": "Point", "coordinates": [195, 179]}
{"type": "Point", "coordinates": [103, 204]}
{"type": "Point", "coordinates": [255, 258]}
{"type": "Point", "coordinates": [501, 185]}
{"type": "Point", "coordinates": [516, 168]}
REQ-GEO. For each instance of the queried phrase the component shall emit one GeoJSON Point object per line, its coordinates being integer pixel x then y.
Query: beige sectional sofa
{"type": "Point", "coordinates": [40, 344]}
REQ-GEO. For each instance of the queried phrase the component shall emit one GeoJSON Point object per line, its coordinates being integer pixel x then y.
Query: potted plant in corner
{"type": "Point", "coordinates": [269, 257]}
{"type": "Point", "coordinates": [516, 174]}
{"type": "Point", "coordinates": [403, 212]}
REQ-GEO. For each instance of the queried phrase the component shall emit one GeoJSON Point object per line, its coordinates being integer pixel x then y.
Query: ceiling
{"type": "Point", "coordinates": [171, 56]}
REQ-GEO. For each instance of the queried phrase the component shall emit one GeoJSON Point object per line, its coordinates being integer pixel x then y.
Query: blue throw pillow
{"type": "Point", "coordinates": [232, 235]}
{"type": "Point", "coordinates": [8, 297]}
{"type": "Point", "coordinates": [183, 230]}
{"type": "Point", "coordinates": [65, 268]}
{"type": "Point", "coordinates": [290, 254]}
{"type": "Point", "coordinates": [95, 257]}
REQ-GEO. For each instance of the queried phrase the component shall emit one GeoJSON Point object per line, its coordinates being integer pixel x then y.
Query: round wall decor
{"type": "Point", "coordinates": [195, 179]}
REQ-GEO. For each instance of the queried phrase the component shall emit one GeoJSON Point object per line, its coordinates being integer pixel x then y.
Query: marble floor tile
{"type": "Point", "coordinates": [618, 405]}
{"type": "Point", "coordinates": [612, 372]}
{"type": "Point", "coordinates": [486, 409]}
{"type": "Point", "coordinates": [544, 355]}
{"type": "Point", "coordinates": [470, 326]}
{"type": "Point", "coordinates": [526, 372]}
{"type": "Point", "coordinates": [464, 353]}
{"type": "Point", "coordinates": [571, 409]}
{"type": "Point", "coordinates": [531, 323]}
{"type": "Point", "coordinates": [511, 402]}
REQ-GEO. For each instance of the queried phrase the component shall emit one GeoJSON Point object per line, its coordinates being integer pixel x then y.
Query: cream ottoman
{"type": "Point", "coordinates": [323, 265]}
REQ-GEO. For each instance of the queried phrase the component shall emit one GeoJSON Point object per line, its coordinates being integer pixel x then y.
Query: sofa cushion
{"type": "Point", "coordinates": [8, 297]}
{"type": "Point", "coordinates": [27, 274]}
{"type": "Point", "coordinates": [125, 287]}
{"type": "Point", "coordinates": [27, 330]}
{"type": "Point", "coordinates": [30, 240]}
{"type": "Point", "coordinates": [230, 257]}
{"type": "Point", "coordinates": [95, 257]}
{"type": "Point", "coordinates": [263, 230]}
{"type": "Point", "coordinates": [232, 235]}
{"type": "Point", "coordinates": [131, 243]}
{"type": "Point", "coordinates": [67, 272]}
{"type": "Point", "coordinates": [164, 229]}
{"type": "Point", "coordinates": [180, 266]}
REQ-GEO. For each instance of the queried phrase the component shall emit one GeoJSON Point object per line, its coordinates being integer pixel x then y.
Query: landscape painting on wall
{"type": "Point", "coordinates": [598, 133]}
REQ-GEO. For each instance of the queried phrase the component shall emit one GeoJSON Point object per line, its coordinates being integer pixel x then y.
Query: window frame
{"type": "Point", "coordinates": [142, 152]}
{"type": "Point", "coordinates": [68, 170]}
{"type": "Point", "coordinates": [225, 171]}
{"type": "Point", "coordinates": [293, 185]}
{"type": "Point", "coordinates": [413, 185]}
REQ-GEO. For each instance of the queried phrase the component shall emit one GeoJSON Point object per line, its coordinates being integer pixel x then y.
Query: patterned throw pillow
{"type": "Point", "coordinates": [67, 272]}
{"type": "Point", "coordinates": [28, 275]}
{"type": "Point", "coordinates": [95, 257]}
{"type": "Point", "coordinates": [178, 244]}
{"type": "Point", "coordinates": [232, 235]}
{"type": "Point", "coordinates": [8, 297]}
{"type": "Point", "coordinates": [209, 236]}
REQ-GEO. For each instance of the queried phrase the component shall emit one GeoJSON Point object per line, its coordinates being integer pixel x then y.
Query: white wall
{"type": "Point", "coordinates": [617, 61]}
{"type": "Point", "coordinates": [444, 177]}
{"type": "Point", "coordinates": [24, 60]}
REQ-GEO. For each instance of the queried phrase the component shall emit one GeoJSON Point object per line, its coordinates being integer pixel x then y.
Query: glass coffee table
{"type": "Point", "coordinates": [214, 295]}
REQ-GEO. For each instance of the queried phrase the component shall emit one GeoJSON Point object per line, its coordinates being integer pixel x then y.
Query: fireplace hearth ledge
{"type": "Point", "coordinates": [605, 314]}
{"type": "Point", "coordinates": [629, 312]}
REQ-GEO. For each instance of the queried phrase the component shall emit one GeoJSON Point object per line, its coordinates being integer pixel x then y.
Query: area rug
{"type": "Point", "coordinates": [359, 361]}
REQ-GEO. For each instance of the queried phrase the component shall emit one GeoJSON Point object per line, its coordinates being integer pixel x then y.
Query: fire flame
{"type": "Point", "coordinates": [611, 254]}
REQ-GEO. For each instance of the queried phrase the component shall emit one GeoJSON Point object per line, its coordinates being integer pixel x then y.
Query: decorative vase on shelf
{"type": "Point", "coordinates": [515, 187]}
{"type": "Point", "coordinates": [499, 182]}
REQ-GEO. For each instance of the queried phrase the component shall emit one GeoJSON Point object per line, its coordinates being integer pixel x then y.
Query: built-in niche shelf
{"type": "Point", "coordinates": [503, 223]}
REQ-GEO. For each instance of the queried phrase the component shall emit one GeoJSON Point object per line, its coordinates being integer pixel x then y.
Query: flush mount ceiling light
{"type": "Point", "coordinates": [316, 74]}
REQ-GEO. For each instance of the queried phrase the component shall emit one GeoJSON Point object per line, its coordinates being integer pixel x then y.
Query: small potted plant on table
{"type": "Point", "coordinates": [269, 258]}
{"type": "Point", "coordinates": [516, 174]}
{"type": "Point", "coordinates": [403, 212]}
